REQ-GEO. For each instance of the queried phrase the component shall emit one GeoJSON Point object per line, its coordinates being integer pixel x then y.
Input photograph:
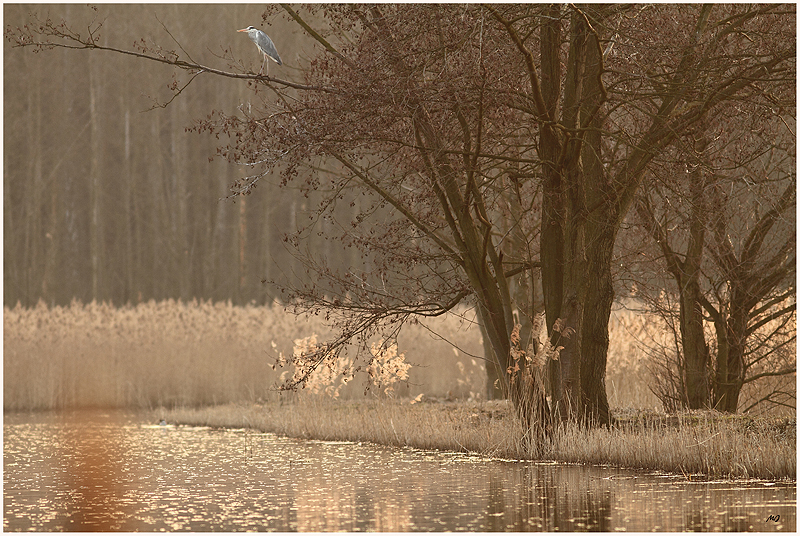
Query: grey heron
{"type": "Point", "coordinates": [264, 44]}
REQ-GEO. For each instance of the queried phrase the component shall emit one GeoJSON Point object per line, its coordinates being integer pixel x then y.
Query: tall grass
{"type": "Point", "coordinates": [705, 443]}
{"type": "Point", "coordinates": [198, 353]}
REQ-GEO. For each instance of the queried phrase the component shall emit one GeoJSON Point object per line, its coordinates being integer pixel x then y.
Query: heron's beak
{"type": "Point", "coordinates": [242, 30]}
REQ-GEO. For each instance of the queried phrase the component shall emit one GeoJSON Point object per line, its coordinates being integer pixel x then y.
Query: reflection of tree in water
{"type": "Point", "coordinates": [548, 498]}
{"type": "Point", "coordinates": [364, 510]}
{"type": "Point", "coordinates": [575, 500]}
{"type": "Point", "coordinates": [95, 467]}
{"type": "Point", "coordinates": [495, 511]}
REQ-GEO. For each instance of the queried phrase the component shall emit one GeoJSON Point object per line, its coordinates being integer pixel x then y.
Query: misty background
{"type": "Point", "coordinates": [110, 197]}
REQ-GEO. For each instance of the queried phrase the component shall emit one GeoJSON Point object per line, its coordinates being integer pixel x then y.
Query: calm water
{"type": "Point", "coordinates": [112, 471]}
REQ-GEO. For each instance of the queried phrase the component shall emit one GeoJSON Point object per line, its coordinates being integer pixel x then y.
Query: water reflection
{"type": "Point", "coordinates": [110, 471]}
{"type": "Point", "coordinates": [95, 469]}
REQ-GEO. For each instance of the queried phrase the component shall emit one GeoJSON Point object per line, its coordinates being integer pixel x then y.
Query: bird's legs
{"type": "Point", "coordinates": [262, 66]}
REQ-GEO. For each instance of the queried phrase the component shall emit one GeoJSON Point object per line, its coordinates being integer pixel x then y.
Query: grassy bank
{"type": "Point", "coordinates": [699, 445]}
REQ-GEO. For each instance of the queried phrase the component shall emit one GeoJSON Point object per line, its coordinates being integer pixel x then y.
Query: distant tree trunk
{"type": "Point", "coordinates": [685, 268]}
{"type": "Point", "coordinates": [266, 230]}
{"type": "Point", "coordinates": [52, 240]}
{"type": "Point", "coordinates": [241, 291]}
{"type": "Point", "coordinates": [32, 230]}
{"type": "Point", "coordinates": [130, 263]}
{"type": "Point", "coordinates": [219, 269]}
{"type": "Point", "coordinates": [95, 185]}
{"type": "Point", "coordinates": [159, 272]}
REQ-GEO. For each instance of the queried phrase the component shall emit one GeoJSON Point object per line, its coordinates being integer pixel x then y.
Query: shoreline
{"type": "Point", "coordinates": [699, 445]}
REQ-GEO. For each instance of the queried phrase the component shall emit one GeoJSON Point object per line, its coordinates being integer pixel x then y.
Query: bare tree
{"type": "Point", "coordinates": [629, 91]}
{"type": "Point", "coordinates": [756, 290]}
{"type": "Point", "coordinates": [722, 214]}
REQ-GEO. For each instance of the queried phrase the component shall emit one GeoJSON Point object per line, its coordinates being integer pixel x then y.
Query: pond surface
{"type": "Point", "coordinates": [111, 471]}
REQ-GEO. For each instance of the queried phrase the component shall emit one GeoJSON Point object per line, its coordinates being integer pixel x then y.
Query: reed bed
{"type": "Point", "coordinates": [198, 353]}
{"type": "Point", "coordinates": [698, 443]}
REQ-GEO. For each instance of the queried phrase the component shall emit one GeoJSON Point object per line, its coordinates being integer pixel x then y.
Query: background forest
{"type": "Point", "coordinates": [110, 197]}
{"type": "Point", "coordinates": [116, 188]}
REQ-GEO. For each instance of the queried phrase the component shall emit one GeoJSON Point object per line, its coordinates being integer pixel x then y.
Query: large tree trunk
{"type": "Point", "coordinates": [596, 313]}
{"type": "Point", "coordinates": [731, 339]}
{"type": "Point", "coordinates": [576, 281]}
{"type": "Point", "coordinates": [551, 249]}
{"type": "Point", "coordinates": [578, 230]}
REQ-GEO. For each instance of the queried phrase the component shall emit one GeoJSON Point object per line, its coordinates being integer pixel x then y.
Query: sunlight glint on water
{"type": "Point", "coordinates": [111, 471]}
